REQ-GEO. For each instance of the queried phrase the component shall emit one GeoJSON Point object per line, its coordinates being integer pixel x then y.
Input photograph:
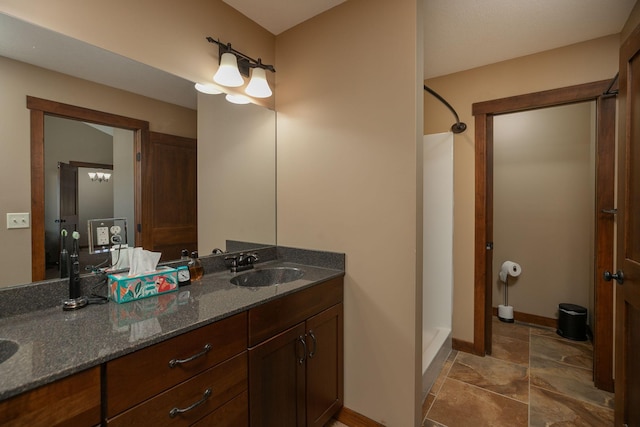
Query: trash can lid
{"type": "Point", "coordinates": [572, 307]}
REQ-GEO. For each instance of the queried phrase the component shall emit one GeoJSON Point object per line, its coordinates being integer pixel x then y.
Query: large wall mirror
{"type": "Point", "coordinates": [236, 201]}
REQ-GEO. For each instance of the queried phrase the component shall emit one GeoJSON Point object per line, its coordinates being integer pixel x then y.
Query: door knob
{"type": "Point", "coordinates": [618, 276]}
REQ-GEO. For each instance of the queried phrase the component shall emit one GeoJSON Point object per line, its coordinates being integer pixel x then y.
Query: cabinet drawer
{"type": "Point", "coordinates": [224, 381]}
{"type": "Point", "coordinates": [280, 314]}
{"type": "Point", "coordinates": [72, 401]}
{"type": "Point", "coordinates": [234, 413]}
{"type": "Point", "coordinates": [136, 377]}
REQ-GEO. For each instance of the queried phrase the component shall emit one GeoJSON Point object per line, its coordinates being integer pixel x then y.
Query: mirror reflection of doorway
{"type": "Point", "coordinates": [73, 149]}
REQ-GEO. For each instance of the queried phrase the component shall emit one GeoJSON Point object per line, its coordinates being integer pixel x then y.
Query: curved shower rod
{"type": "Point", "coordinates": [458, 126]}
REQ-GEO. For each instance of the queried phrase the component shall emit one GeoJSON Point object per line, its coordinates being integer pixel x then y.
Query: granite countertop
{"type": "Point", "coordinates": [56, 343]}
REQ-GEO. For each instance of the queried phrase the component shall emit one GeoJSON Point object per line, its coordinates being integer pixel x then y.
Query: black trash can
{"type": "Point", "coordinates": [572, 322]}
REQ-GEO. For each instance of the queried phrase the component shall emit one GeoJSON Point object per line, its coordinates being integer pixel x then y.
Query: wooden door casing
{"type": "Point", "coordinates": [605, 114]}
{"type": "Point", "coordinates": [627, 398]}
{"type": "Point", "coordinates": [39, 108]}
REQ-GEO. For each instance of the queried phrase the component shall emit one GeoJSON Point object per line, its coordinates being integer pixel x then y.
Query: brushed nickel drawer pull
{"type": "Point", "coordinates": [176, 411]}
{"type": "Point", "coordinates": [302, 341]}
{"type": "Point", "coordinates": [174, 362]}
{"type": "Point", "coordinates": [315, 344]}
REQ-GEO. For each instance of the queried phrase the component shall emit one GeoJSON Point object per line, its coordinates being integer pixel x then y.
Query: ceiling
{"type": "Point", "coordinates": [280, 15]}
{"type": "Point", "coordinates": [464, 34]}
{"type": "Point", "coordinates": [459, 35]}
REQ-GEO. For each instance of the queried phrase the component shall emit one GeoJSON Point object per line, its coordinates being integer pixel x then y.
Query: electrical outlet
{"type": "Point", "coordinates": [18, 220]}
{"type": "Point", "coordinates": [102, 235]}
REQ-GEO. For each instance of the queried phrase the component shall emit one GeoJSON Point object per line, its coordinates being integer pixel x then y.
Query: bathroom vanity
{"type": "Point", "coordinates": [211, 354]}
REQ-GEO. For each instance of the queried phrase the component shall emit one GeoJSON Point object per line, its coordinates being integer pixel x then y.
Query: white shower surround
{"type": "Point", "coordinates": [437, 255]}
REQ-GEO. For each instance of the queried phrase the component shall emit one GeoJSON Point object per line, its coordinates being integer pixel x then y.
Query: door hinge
{"type": "Point", "coordinates": [489, 246]}
{"type": "Point", "coordinates": [138, 156]}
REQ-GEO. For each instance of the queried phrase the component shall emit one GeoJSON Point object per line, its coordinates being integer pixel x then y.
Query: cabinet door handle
{"type": "Point", "coordinates": [176, 411]}
{"type": "Point", "coordinates": [175, 362]}
{"type": "Point", "coordinates": [301, 340]}
{"type": "Point", "coordinates": [315, 344]}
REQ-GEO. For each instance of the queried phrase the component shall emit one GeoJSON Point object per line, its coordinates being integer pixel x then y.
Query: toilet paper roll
{"type": "Point", "coordinates": [509, 268]}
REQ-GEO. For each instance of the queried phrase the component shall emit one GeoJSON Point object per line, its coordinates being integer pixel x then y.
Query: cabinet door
{"type": "Point", "coordinates": [277, 380]}
{"type": "Point", "coordinates": [72, 401]}
{"type": "Point", "coordinates": [324, 365]}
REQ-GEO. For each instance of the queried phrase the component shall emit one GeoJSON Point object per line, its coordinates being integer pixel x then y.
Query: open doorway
{"type": "Point", "coordinates": [603, 234]}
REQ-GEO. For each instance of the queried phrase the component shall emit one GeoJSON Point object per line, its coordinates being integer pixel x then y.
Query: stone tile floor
{"type": "Point", "coordinates": [533, 378]}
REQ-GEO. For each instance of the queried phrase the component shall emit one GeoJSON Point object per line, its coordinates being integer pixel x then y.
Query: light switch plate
{"type": "Point", "coordinates": [18, 220]}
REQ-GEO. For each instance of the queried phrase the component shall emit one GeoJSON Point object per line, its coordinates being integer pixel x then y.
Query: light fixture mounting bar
{"type": "Point", "coordinates": [245, 62]}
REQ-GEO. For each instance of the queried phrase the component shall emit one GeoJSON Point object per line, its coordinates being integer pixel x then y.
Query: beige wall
{"type": "Point", "coordinates": [236, 173]}
{"type": "Point", "coordinates": [347, 141]}
{"type": "Point", "coordinates": [580, 63]}
{"type": "Point", "coordinates": [20, 80]}
{"type": "Point", "coordinates": [543, 198]}
{"type": "Point", "coordinates": [165, 34]}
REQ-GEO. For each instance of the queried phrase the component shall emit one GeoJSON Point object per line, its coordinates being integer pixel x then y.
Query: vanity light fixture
{"type": "Point", "coordinates": [235, 64]}
{"type": "Point", "coordinates": [228, 73]}
{"type": "Point", "coordinates": [258, 86]}
{"type": "Point", "coordinates": [99, 176]}
{"type": "Point", "coordinates": [207, 88]}
{"type": "Point", "coordinates": [237, 99]}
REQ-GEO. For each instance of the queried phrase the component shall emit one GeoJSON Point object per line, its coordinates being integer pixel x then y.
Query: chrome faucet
{"type": "Point", "coordinates": [241, 262]}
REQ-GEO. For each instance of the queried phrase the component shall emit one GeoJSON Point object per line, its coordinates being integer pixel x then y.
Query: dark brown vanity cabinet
{"type": "Point", "coordinates": [71, 401]}
{"type": "Point", "coordinates": [296, 358]}
{"type": "Point", "coordinates": [196, 377]}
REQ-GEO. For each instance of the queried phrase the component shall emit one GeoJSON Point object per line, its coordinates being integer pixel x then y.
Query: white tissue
{"type": "Point", "coordinates": [142, 261]}
{"type": "Point", "coordinates": [120, 257]}
{"type": "Point", "coordinates": [509, 268]}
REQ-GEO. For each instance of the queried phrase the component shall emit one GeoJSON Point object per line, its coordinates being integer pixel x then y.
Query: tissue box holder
{"type": "Point", "coordinates": [123, 288]}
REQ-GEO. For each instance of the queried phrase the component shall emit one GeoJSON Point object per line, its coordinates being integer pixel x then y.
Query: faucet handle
{"type": "Point", "coordinates": [231, 261]}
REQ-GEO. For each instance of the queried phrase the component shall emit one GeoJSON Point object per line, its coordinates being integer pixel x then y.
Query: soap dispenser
{"type": "Point", "coordinates": [195, 267]}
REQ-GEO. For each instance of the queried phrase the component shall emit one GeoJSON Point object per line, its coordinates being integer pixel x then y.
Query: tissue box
{"type": "Point", "coordinates": [123, 288]}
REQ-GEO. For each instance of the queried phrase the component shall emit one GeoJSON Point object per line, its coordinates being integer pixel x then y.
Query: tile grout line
{"type": "Point", "coordinates": [426, 415]}
{"type": "Point", "coordinates": [489, 391]}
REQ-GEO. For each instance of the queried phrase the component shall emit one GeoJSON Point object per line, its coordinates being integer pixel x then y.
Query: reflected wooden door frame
{"type": "Point", "coordinates": [41, 107]}
{"type": "Point", "coordinates": [605, 181]}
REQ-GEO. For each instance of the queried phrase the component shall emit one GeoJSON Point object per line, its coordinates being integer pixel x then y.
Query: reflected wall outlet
{"type": "Point", "coordinates": [102, 235]}
{"type": "Point", "coordinates": [18, 220]}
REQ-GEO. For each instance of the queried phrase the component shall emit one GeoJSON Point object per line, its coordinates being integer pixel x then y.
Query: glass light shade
{"type": "Point", "coordinates": [107, 176]}
{"type": "Point", "coordinates": [207, 88]}
{"type": "Point", "coordinates": [228, 73]}
{"type": "Point", "coordinates": [100, 176]}
{"type": "Point", "coordinates": [237, 99]}
{"type": "Point", "coordinates": [92, 176]}
{"type": "Point", "coordinates": [258, 86]}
